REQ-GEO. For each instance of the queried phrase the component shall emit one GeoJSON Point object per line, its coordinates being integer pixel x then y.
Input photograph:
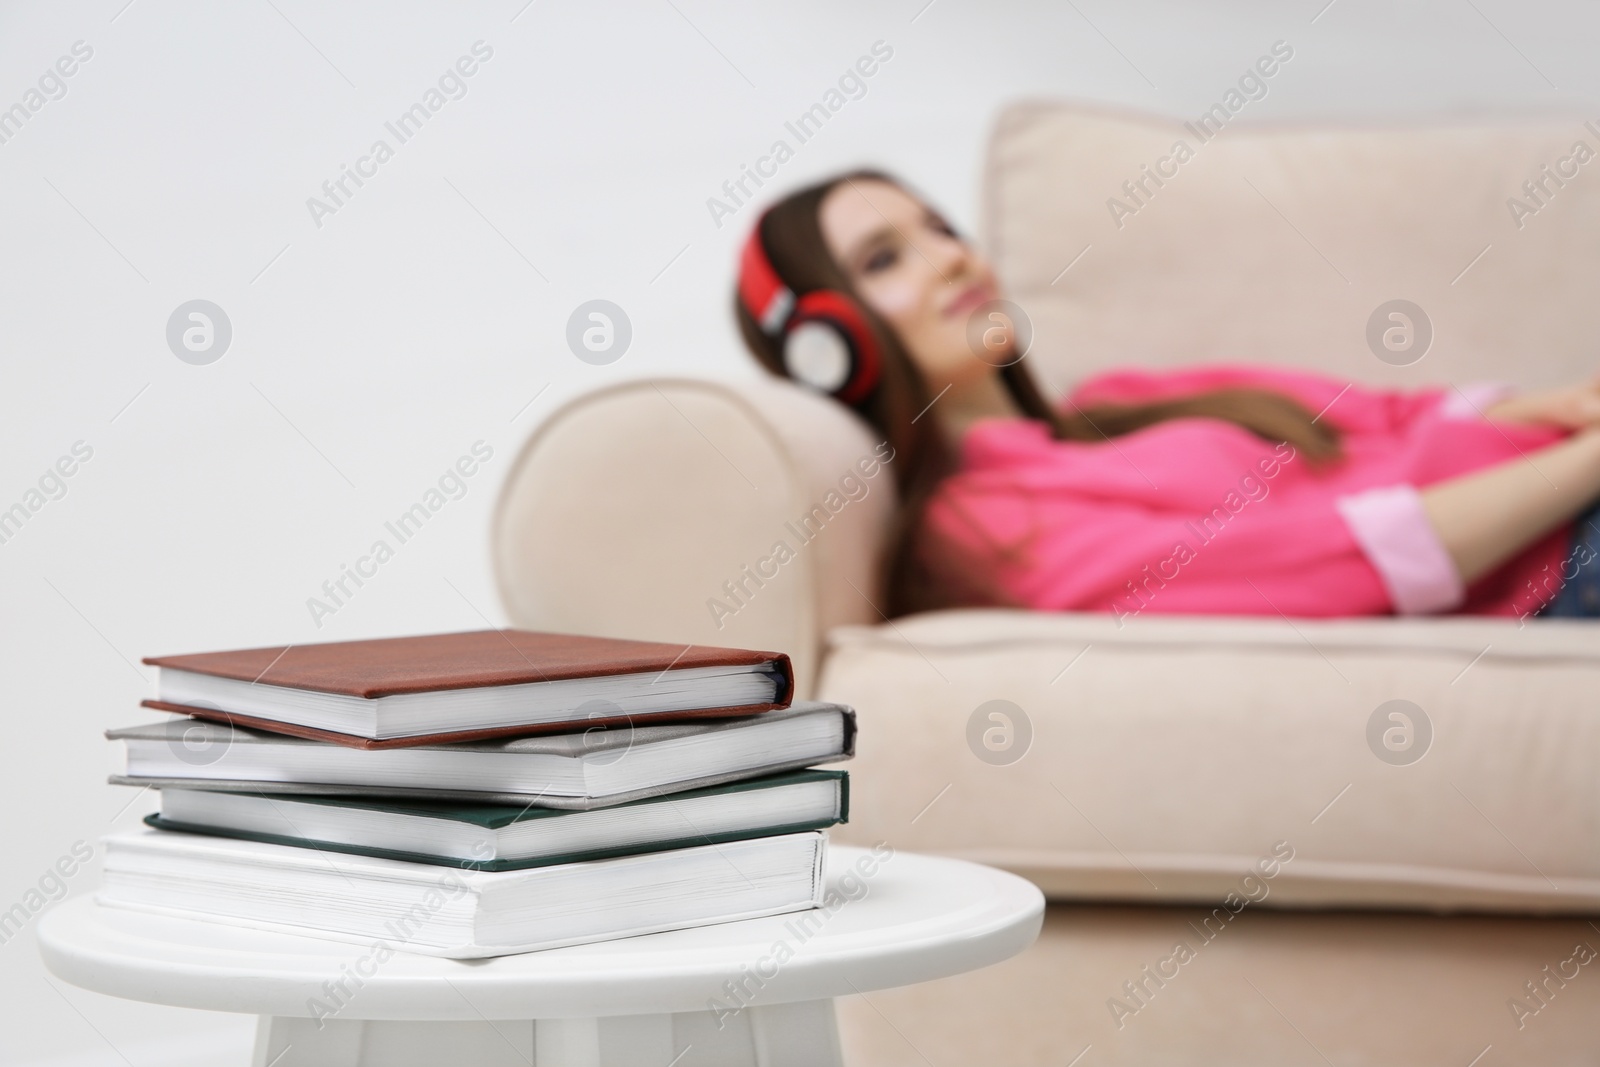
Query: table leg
{"type": "Point", "coordinates": [567, 1042]}
{"type": "Point", "coordinates": [295, 1042]}
{"type": "Point", "coordinates": [287, 1042]}
{"type": "Point", "coordinates": [779, 1035]}
{"type": "Point", "coordinates": [803, 1034]}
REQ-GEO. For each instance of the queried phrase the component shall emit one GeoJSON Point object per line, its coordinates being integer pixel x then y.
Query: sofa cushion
{"type": "Point", "coordinates": [1171, 755]}
{"type": "Point", "coordinates": [1277, 243]}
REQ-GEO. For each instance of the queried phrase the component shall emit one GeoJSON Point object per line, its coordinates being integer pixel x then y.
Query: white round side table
{"type": "Point", "coordinates": [757, 992]}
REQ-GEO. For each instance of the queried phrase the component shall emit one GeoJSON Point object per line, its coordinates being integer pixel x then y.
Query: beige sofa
{"type": "Point", "coordinates": [1168, 761]}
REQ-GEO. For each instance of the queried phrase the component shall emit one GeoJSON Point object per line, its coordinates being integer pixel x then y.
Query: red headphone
{"type": "Point", "coordinates": [827, 343]}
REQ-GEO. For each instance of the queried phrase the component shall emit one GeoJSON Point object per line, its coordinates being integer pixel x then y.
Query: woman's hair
{"type": "Point", "coordinates": [791, 233]}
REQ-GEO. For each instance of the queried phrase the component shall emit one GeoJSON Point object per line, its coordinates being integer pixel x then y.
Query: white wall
{"type": "Point", "coordinates": [377, 348]}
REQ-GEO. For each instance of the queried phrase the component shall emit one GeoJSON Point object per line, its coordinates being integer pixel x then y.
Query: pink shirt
{"type": "Point", "coordinates": [1201, 516]}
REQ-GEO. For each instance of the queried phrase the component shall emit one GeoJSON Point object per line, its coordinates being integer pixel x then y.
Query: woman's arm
{"type": "Point", "coordinates": [1486, 517]}
{"type": "Point", "coordinates": [1571, 408]}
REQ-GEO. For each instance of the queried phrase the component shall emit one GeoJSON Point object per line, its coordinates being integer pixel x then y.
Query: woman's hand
{"type": "Point", "coordinates": [1572, 408]}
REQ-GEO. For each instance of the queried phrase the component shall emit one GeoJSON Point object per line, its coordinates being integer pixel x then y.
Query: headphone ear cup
{"type": "Point", "coordinates": [829, 346]}
{"type": "Point", "coordinates": [815, 353]}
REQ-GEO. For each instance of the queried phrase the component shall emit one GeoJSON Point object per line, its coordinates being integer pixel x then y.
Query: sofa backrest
{"type": "Point", "coordinates": [1277, 243]}
{"type": "Point", "coordinates": [635, 511]}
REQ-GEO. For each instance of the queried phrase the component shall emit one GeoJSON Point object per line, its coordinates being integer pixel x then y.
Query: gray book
{"type": "Point", "coordinates": [596, 768]}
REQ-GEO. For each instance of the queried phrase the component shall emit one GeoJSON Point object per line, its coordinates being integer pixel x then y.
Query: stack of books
{"type": "Point", "coordinates": [478, 794]}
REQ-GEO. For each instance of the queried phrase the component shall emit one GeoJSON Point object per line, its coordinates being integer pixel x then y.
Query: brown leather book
{"type": "Point", "coordinates": [406, 691]}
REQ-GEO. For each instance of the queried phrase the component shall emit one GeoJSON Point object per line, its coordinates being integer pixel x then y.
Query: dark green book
{"type": "Point", "coordinates": [504, 838]}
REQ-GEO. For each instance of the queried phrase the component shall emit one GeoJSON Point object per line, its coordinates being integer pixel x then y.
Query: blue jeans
{"type": "Point", "coordinates": [1579, 597]}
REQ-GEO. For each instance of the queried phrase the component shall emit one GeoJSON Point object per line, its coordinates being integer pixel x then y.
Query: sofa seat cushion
{"type": "Point", "coordinates": [1170, 757]}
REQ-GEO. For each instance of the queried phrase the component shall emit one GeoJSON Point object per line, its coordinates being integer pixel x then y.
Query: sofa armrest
{"type": "Point", "coordinates": [726, 513]}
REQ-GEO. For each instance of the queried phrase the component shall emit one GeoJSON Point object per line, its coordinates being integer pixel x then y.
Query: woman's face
{"type": "Point", "coordinates": [908, 267]}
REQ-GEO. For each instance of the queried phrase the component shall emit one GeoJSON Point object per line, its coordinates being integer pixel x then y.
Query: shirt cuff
{"type": "Point", "coordinates": [1393, 530]}
{"type": "Point", "coordinates": [1473, 400]}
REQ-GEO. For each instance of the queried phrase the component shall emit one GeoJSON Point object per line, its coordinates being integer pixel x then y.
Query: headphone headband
{"type": "Point", "coordinates": [762, 291]}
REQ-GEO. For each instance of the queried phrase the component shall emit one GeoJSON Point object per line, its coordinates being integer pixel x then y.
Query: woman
{"type": "Point", "coordinates": [1213, 489]}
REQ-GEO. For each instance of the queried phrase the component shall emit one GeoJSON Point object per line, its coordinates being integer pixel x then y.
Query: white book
{"type": "Point", "coordinates": [594, 768]}
{"type": "Point", "coordinates": [459, 914]}
{"type": "Point", "coordinates": [498, 837]}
